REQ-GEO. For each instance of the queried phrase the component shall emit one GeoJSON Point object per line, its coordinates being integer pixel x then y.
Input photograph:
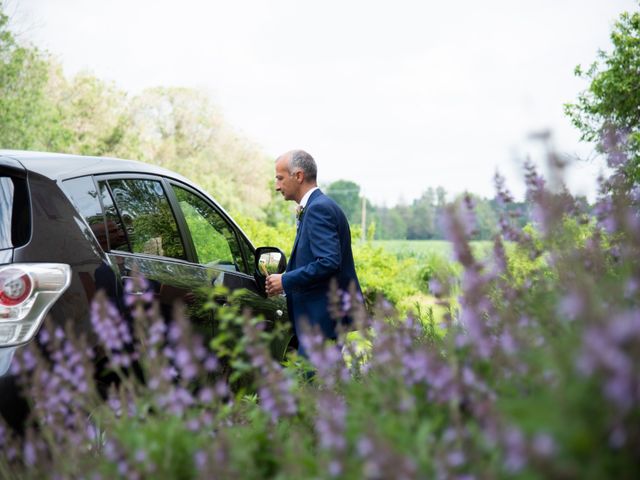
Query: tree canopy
{"type": "Point", "coordinates": [179, 128]}
{"type": "Point", "coordinates": [612, 100]}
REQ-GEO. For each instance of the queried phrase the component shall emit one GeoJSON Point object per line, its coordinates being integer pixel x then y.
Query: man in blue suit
{"type": "Point", "coordinates": [321, 254]}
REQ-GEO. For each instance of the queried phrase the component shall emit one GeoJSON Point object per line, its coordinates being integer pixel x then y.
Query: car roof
{"type": "Point", "coordinates": [60, 166]}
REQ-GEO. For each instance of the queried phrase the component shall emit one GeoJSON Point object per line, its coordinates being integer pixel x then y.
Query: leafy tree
{"type": "Point", "coordinates": [347, 194]}
{"type": "Point", "coordinates": [423, 212]}
{"type": "Point", "coordinates": [96, 115]}
{"type": "Point", "coordinates": [612, 99]}
{"type": "Point", "coordinates": [181, 129]}
{"type": "Point", "coordinates": [486, 219]}
{"type": "Point", "coordinates": [28, 119]}
{"type": "Point", "coordinates": [390, 224]}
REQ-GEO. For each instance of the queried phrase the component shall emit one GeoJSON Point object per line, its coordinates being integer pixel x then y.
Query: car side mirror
{"type": "Point", "coordinates": [268, 260]}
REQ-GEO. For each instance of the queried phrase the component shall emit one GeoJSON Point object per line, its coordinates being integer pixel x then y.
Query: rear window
{"type": "Point", "coordinates": [14, 212]}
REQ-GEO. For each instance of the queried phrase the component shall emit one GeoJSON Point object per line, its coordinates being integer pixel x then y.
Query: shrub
{"type": "Point", "coordinates": [534, 374]}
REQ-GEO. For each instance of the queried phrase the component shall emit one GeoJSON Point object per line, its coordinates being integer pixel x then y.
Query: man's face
{"type": "Point", "coordinates": [286, 183]}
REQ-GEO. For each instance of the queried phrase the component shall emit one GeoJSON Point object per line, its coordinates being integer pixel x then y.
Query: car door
{"type": "Point", "coordinates": [182, 244]}
{"type": "Point", "coordinates": [223, 253]}
{"type": "Point", "coordinates": [144, 239]}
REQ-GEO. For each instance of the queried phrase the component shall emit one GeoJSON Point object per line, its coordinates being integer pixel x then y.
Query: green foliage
{"type": "Point", "coordinates": [437, 267]}
{"type": "Point", "coordinates": [520, 383]}
{"type": "Point", "coordinates": [422, 220]}
{"type": "Point", "coordinates": [391, 224]}
{"type": "Point", "coordinates": [534, 376]}
{"type": "Point", "coordinates": [613, 96]}
{"type": "Point", "coordinates": [94, 113]}
{"type": "Point", "coordinates": [179, 128]}
{"type": "Point", "coordinates": [167, 444]}
{"type": "Point", "coordinates": [28, 118]}
{"type": "Point", "coordinates": [346, 194]}
{"type": "Point", "coordinates": [263, 234]}
{"type": "Point", "coordinates": [381, 273]}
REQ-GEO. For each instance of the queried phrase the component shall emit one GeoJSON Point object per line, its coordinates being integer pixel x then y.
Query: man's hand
{"type": "Point", "coordinates": [273, 284]}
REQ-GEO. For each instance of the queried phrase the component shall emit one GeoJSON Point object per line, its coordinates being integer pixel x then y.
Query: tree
{"type": "Point", "coordinates": [423, 211]}
{"type": "Point", "coordinates": [486, 219]}
{"type": "Point", "coordinates": [181, 129]}
{"type": "Point", "coordinates": [28, 119]}
{"type": "Point", "coordinates": [347, 194]}
{"type": "Point", "coordinates": [390, 224]}
{"type": "Point", "coordinates": [612, 100]}
{"type": "Point", "coordinates": [94, 115]}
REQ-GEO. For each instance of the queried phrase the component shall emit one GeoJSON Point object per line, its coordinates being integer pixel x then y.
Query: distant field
{"type": "Point", "coordinates": [426, 248]}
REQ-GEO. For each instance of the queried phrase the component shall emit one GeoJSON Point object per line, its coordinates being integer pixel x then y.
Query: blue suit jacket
{"type": "Point", "coordinates": [321, 252]}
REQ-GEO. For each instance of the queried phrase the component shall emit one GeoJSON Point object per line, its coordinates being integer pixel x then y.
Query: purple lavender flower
{"type": "Point", "coordinates": [571, 306]}
{"type": "Point", "coordinates": [137, 284]}
{"type": "Point", "coordinates": [112, 330]}
{"type": "Point", "coordinates": [335, 468]}
{"type": "Point", "coordinates": [503, 196]}
{"type": "Point", "coordinates": [330, 423]}
{"type": "Point", "coordinates": [274, 387]}
{"type": "Point", "coordinates": [435, 286]}
{"type": "Point", "coordinates": [515, 453]}
{"type": "Point", "coordinates": [29, 453]}
{"type": "Point", "coordinates": [325, 357]}
{"type": "Point", "coordinates": [200, 459]}
{"type": "Point", "coordinates": [543, 445]}
{"type": "Point", "coordinates": [456, 458]}
{"type": "Point", "coordinates": [140, 456]}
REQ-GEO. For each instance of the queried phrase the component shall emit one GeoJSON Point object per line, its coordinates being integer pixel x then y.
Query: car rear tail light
{"type": "Point", "coordinates": [27, 292]}
{"type": "Point", "coordinates": [15, 286]}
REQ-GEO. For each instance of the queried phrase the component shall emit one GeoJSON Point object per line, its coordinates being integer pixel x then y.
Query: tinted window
{"type": "Point", "coordinates": [14, 212]}
{"type": "Point", "coordinates": [83, 194]}
{"type": "Point", "coordinates": [248, 251]}
{"type": "Point", "coordinates": [147, 217]}
{"type": "Point", "coordinates": [214, 239]}
{"type": "Point", "coordinates": [118, 239]}
{"type": "Point", "coordinates": [6, 206]}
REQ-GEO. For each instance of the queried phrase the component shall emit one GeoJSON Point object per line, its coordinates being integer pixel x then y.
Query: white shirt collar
{"type": "Point", "coordinates": [305, 199]}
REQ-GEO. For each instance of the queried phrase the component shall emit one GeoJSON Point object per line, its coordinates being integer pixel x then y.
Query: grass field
{"type": "Point", "coordinates": [427, 248]}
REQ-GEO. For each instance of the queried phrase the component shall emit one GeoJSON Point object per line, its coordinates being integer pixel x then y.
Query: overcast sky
{"type": "Point", "coordinates": [396, 96]}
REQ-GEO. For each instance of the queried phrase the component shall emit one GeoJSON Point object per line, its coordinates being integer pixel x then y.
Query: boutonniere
{"type": "Point", "coordinates": [299, 212]}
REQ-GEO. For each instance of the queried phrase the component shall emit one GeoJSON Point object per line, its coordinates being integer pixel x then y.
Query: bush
{"type": "Point", "coordinates": [533, 375]}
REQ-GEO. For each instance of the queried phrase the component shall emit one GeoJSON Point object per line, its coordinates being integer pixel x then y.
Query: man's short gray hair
{"type": "Point", "coordinates": [301, 160]}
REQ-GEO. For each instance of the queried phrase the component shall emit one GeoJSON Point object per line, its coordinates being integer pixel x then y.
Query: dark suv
{"type": "Point", "coordinates": [73, 225]}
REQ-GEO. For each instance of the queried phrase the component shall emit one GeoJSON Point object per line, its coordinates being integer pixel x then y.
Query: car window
{"type": "Point", "coordinates": [248, 251]}
{"type": "Point", "coordinates": [147, 217]}
{"type": "Point", "coordinates": [116, 237]}
{"type": "Point", "coordinates": [14, 212]}
{"type": "Point", "coordinates": [83, 194]}
{"type": "Point", "coordinates": [6, 208]}
{"type": "Point", "coordinates": [213, 237]}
